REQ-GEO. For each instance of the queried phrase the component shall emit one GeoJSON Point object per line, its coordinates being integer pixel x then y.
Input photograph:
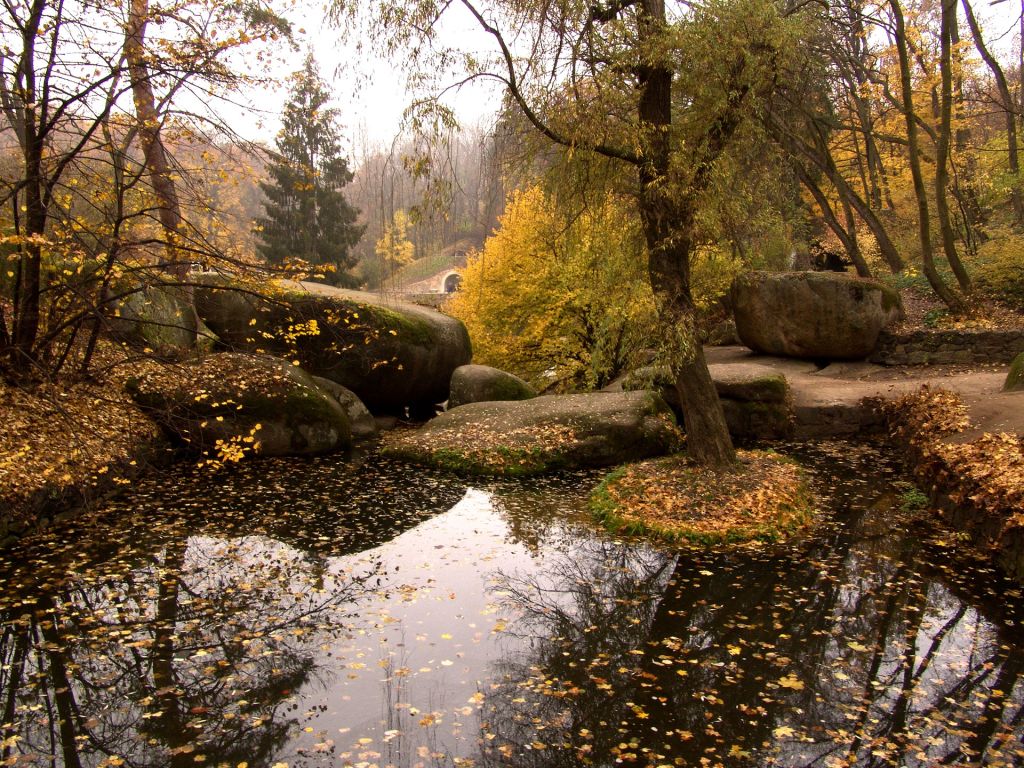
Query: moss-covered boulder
{"type": "Point", "coordinates": [521, 437]}
{"type": "Point", "coordinates": [161, 319]}
{"type": "Point", "coordinates": [393, 355]}
{"type": "Point", "coordinates": [230, 405]}
{"type": "Point", "coordinates": [482, 383]}
{"type": "Point", "coordinates": [361, 421]}
{"type": "Point", "coordinates": [1015, 378]}
{"type": "Point", "coordinates": [813, 315]}
{"type": "Point", "coordinates": [756, 400]}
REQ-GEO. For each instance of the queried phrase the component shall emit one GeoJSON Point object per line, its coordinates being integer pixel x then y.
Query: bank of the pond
{"type": "Point", "coordinates": [974, 479]}
{"type": "Point", "coordinates": [62, 449]}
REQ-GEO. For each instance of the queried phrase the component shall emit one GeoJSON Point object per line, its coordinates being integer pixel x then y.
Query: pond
{"type": "Point", "coordinates": [324, 613]}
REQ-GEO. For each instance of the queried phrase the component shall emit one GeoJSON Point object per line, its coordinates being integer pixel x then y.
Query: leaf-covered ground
{"type": "Point", "coordinates": [764, 496]}
{"type": "Point", "coordinates": [59, 436]}
{"type": "Point", "coordinates": [986, 471]}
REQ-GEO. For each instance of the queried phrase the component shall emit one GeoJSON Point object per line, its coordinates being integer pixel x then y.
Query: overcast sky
{"type": "Point", "coordinates": [370, 91]}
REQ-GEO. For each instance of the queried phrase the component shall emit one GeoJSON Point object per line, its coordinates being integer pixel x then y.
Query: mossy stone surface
{"type": "Point", "coordinates": [1015, 378]}
{"type": "Point", "coordinates": [262, 405]}
{"type": "Point", "coordinates": [391, 354]}
{"type": "Point", "coordinates": [482, 383]}
{"type": "Point", "coordinates": [542, 434]}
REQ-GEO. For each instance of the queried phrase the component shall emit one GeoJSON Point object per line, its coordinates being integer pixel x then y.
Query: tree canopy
{"type": "Point", "coordinates": [307, 216]}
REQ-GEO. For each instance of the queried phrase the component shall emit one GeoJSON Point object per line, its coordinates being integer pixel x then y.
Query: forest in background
{"type": "Point", "coordinates": [881, 136]}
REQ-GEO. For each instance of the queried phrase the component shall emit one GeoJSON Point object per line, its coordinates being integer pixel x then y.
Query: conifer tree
{"type": "Point", "coordinates": [307, 216]}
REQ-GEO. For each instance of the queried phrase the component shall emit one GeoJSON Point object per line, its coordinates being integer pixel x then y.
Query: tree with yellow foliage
{"type": "Point", "coordinates": [559, 297]}
{"type": "Point", "coordinates": [394, 247]}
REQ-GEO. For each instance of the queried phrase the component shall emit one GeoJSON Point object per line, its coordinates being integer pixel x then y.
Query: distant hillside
{"type": "Point", "coordinates": [450, 257]}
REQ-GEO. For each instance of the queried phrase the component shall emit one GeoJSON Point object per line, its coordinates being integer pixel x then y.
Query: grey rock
{"type": "Point", "coordinates": [519, 437]}
{"type": "Point", "coordinates": [262, 404]}
{"type": "Point", "coordinates": [815, 315]}
{"type": "Point", "coordinates": [393, 355]}
{"type": "Point", "coordinates": [361, 421]}
{"type": "Point", "coordinates": [482, 383]}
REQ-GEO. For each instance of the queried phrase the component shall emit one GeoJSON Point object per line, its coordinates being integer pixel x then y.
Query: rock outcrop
{"type": "Point", "coordinates": [482, 383]}
{"type": "Point", "coordinates": [756, 400]}
{"type": "Point", "coordinates": [391, 354]}
{"type": "Point", "coordinates": [160, 319]}
{"type": "Point", "coordinates": [520, 437]}
{"type": "Point", "coordinates": [361, 421]}
{"type": "Point", "coordinates": [813, 315]}
{"type": "Point", "coordinates": [231, 405]}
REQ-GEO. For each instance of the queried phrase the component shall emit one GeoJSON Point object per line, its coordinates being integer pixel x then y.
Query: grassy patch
{"type": "Point", "coordinates": [764, 497]}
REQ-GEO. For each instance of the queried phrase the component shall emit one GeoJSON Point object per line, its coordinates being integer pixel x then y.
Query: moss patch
{"type": "Point", "coordinates": [764, 497]}
{"type": "Point", "coordinates": [484, 452]}
{"type": "Point", "coordinates": [1015, 378]}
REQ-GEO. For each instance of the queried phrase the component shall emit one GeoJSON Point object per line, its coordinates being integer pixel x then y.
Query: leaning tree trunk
{"type": "Point", "coordinates": [668, 229]}
{"type": "Point", "coordinates": [168, 207]}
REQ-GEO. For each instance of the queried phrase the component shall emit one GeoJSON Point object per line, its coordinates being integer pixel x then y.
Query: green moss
{"type": "Point", "coordinates": [890, 298]}
{"type": "Point", "coordinates": [1015, 378]}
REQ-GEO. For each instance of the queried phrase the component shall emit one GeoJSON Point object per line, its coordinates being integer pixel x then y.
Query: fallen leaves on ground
{"type": "Point", "coordinates": [987, 472]}
{"type": "Point", "coordinates": [762, 496]}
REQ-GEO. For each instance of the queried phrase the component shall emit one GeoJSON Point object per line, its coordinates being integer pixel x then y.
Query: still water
{"type": "Point", "coordinates": [323, 613]}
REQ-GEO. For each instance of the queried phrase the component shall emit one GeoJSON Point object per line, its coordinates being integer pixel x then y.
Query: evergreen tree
{"type": "Point", "coordinates": [307, 216]}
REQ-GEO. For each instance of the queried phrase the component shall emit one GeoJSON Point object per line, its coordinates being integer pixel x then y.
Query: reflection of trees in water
{"type": "Point", "coordinates": [846, 655]}
{"type": "Point", "coordinates": [191, 651]}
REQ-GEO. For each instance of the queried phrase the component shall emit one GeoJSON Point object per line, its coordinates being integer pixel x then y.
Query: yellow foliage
{"type": "Point", "coordinates": [558, 298]}
{"type": "Point", "coordinates": [394, 246]}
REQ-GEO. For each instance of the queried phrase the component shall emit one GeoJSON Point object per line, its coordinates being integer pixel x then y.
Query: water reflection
{"type": "Point", "coordinates": [317, 613]}
{"type": "Point", "coordinates": [851, 651]}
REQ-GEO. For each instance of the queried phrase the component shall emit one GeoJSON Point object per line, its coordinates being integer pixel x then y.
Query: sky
{"type": "Point", "coordinates": [370, 91]}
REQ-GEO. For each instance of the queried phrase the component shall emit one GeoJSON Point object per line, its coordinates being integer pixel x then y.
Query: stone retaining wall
{"type": "Point", "coordinates": [928, 347]}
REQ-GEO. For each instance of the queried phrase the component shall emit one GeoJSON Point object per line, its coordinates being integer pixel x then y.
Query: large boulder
{"type": "Point", "coordinates": [520, 437]}
{"type": "Point", "coordinates": [393, 355]}
{"type": "Point", "coordinates": [756, 400]}
{"type": "Point", "coordinates": [482, 383]}
{"type": "Point", "coordinates": [814, 315]}
{"type": "Point", "coordinates": [160, 319]}
{"type": "Point", "coordinates": [233, 404]}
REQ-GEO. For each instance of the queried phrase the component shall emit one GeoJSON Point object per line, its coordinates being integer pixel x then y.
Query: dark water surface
{"type": "Point", "coordinates": [318, 613]}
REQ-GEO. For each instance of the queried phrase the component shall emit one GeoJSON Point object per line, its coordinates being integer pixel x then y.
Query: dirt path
{"type": "Point", "coordinates": [828, 401]}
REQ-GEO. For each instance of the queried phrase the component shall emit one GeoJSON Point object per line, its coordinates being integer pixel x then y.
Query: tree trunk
{"type": "Point", "coordinates": [668, 230]}
{"type": "Point", "coordinates": [947, 23]}
{"type": "Point", "coordinates": [943, 291]}
{"type": "Point", "coordinates": [168, 206]}
{"type": "Point", "coordinates": [848, 235]}
{"type": "Point", "coordinates": [1003, 86]}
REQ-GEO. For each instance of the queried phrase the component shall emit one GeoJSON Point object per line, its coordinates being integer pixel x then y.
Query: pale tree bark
{"type": "Point", "coordinates": [938, 285]}
{"type": "Point", "coordinates": [149, 122]}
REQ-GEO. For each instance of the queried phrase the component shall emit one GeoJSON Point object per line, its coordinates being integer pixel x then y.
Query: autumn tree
{"type": "Point", "coordinates": [559, 295]}
{"type": "Point", "coordinates": [661, 91]}
{"type": "Point", "coordinates": [92, 113]}
{"type": "Point", "coordinates": [307, 216]}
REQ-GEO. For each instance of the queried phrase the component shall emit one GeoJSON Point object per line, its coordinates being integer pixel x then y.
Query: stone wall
{"type": "Point", "coordinates": [934, 347]}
